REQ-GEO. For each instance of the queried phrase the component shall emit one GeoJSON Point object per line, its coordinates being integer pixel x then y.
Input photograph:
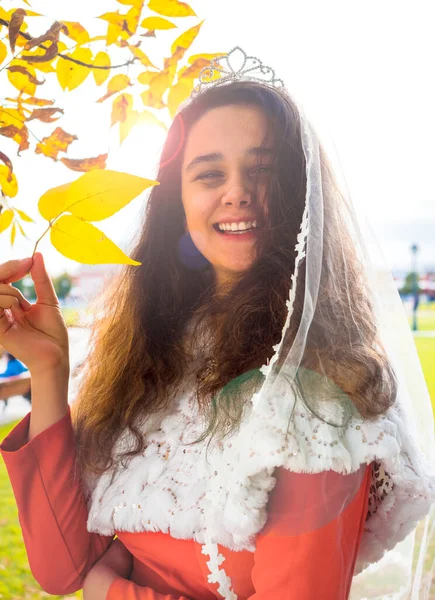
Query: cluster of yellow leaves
{"type": "Point", "coordinates": [94, 196]}
{"type": "Point", "coordinates": [64, 52]}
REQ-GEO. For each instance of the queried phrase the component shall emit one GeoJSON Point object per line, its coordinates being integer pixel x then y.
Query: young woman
{"type": "Point", "coordinates": [239, 443]}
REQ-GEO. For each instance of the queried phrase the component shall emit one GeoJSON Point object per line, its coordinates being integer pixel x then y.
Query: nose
{"type": "Point", "coordinates": [237, 195]}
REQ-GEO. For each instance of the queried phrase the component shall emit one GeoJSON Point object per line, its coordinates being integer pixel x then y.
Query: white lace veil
{"type": "Point", "coordinates": [394, 560]}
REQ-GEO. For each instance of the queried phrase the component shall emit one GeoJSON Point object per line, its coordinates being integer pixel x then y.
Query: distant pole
{"type": "Point", "coordinates": [415, 287]}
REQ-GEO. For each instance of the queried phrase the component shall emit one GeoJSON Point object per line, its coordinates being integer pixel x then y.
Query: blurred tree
{"type": "Point", "coordinates": [62, 285]}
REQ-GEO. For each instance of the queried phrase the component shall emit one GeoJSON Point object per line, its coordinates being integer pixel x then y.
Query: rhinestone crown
{"type": "Point", "coordinates": [235, 66]}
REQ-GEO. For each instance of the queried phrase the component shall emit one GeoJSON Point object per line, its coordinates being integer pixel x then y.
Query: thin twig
{"type": "Point", "coordinates": [69, 58]}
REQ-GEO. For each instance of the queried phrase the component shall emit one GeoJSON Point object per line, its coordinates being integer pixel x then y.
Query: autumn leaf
{"type": "Point", "coordinates": [85, 164]}
{"type": "Point", "coordinates": [185, 40]}
{"type": "Point", "coordinates": [37, 101]}
{"type": "Point", "coordinates": [51, 35]}
{"type": "Point", "coordinates": [57, 142]}
{"type": "Point", "coordinates": [7, 161]}
{"type": "Point", "coordinates": [120, 107]}
{"type": "Point", "coordinates": [13, 233]}
{"type": "Point", "coordinates": [8, 181]}
{"type": "Point", "coordinates": [85, 243]}
{"type": "Point", "coordinates": [19, 135]}
{"type": "Point", "coordinates": [3, 52]}
{"type": "Point", "coordinates": [23, 77]}
{"type": "Point", "coordinates": [178, 93]}
{"type": "Point", "coordinates": [24, 216]}
{"type": "Point", "coordinates": [197, 63]}
{"type": "Point", "coordinates": [77, 32]}
{"type": "Point", "coordinates": [71, 75]}
{"type": "Point", "coordinates": [102, 59]}
{"type": "Point", "coordinates": [116, 84]}
{"type": "Point", "coordinates": [48, 55]}
{"type": "Point", "coordinates": [46, 115]}
{"type": "Point", "coordinates": [6, 217]}
{"type": "Point", "coordinates": [23, 233]}
{"type": "Point", "coordinates": [15, 23]}
{"type": "Point", "coordinates": [157, 23]}
{"type": "Point", "coordinates": [142, 57]}
{"type": "Point", "coordinates": [137, 3]}
{"type": "Point", "coordinates": [122, 25]}
{"type": "Point", "coordinates": [171, 8]}
{"type": "Point", "coordinates": [157, 87]}
{"type": "Point", "coordinates": [94, 196]}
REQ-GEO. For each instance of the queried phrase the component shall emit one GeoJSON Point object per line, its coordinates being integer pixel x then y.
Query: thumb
{"type": "Point", "coordinates": [44, 288]}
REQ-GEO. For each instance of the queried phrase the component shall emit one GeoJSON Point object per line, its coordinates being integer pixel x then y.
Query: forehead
{"type": "Point", "coordinates": [228, 129]}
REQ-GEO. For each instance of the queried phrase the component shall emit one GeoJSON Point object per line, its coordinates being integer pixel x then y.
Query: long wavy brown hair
{"type": "Point", "coordinates": [148, 315]}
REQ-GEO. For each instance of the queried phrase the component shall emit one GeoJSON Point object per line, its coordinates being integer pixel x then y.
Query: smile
{"type": "Point", "coordinates": [239, 228]}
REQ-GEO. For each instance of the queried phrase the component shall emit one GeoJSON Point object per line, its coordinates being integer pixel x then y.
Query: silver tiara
{"type": "Point", "coordinates": [235, 66]}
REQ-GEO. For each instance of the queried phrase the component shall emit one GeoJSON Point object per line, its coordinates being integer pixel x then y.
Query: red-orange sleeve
{"type": "Point", "coordinates": [51, 506]}
{"type": "Point", "coordinates": [302, 552]}
{"type": "Point", "coordinates": [122, 589]}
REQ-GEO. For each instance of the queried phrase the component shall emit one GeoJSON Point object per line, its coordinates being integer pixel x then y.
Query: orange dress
{"type": "Point", "coordinates": [53, 517]}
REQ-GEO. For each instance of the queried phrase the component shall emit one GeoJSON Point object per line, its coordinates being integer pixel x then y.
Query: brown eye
{"type": "Point", "coordinates": [209, 175]}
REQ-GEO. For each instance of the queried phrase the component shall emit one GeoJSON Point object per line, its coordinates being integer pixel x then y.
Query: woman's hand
{"type": "Point", "coordinates": [115, 562]}
{"type": "Point", "coordinates": [36, 334]}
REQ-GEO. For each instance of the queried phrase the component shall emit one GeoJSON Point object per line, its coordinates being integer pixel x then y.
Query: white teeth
{"type": "Point", "coordinates": [242, 226]}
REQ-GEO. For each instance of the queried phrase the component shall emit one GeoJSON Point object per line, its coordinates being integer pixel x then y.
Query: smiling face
{"type": "Point", "coordinates": [225, 172]}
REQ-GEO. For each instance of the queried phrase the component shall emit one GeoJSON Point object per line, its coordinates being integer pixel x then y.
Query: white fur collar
{"type": "Point", "coordinates": [173, 489]}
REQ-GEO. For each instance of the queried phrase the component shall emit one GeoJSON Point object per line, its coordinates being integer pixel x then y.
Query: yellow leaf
{"type": "Point", "coordinates": [13, 233]}
{"type": "Point", "coordinates": [24, 80]}
{"type": "Point", "coordinates": [38, 101]}
{"type": "Point", "coordinates": [102, 59]}
{"type": "Point", "coordinates": [8, 182]}
{"type": "Point", "coordinates": [178, 93]}
{"type": "Point", "coordinates": [126, 126]}
{"type": "Point", "coordinates": [24, 216]}
{"type": "Point", "coordinates": [71, 75]}
{"type": "Point", "coordinates": [137, 3]}
{"type": "Point", "coordinates": [122, 25]}
{"type": "Point", "coordinates": [21, 229]}
{"type": "Point", "coordinates": [198, 63]}
{"type": "Point", "coordinates": [85, 164]}
{"type": "Point", "coordinates": [158, 85]}
{"type": "Point", "coordinates": [3, 52]}
{"type": "Point", "coordinates": [171, 8]}
{"type": "Point", "coordinates": [53, 202]}
{"type": "Point", "coordinates": [99, 194]}
{"type": "Point", "coordinates": [46, 66]}
{"type": "Point", "coordinates": [184, 41]}
{"type": "Point", "coordinates": [116, 84]}
{"type": "Point", "coordinates": [120, 107]}
{"type": "Point", "coordinates": [143, 58]}
{"type": "Point", "coordinates": [6, 217]}
{"type": "Point", "coordinates": [157, 23]}
{"type": "Point", "coordinates": [94, 196]}
{"type": "Point", "coordinates": [57, 141]}
{"type": "Point", "coordinates": [77, 32]}
{"type": "Point", "coordinates": [85, 243]}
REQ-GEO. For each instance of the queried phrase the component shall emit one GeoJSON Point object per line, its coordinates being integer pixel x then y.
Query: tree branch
{"type": "Point", "coordinates": [65, 57]}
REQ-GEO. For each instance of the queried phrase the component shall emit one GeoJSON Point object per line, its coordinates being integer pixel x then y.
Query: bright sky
{"type": "Point", "coordinates": [363, 71]}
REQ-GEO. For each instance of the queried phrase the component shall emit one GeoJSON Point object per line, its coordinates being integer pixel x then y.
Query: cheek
{"type": "Point", "coordinates": [199, 208]}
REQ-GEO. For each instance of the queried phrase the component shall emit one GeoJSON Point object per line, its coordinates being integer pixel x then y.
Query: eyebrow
{"type": "Point", "coordinates": [214, 156]}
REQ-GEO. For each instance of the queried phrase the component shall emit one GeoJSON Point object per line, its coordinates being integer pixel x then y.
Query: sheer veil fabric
{"type": "Point", "coordinates": [301, 419]}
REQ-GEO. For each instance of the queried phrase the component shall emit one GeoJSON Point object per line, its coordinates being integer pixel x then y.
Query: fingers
{"type": "Point", "coordinates": [11, 303]}
{"type": "Point", "coordinates": [43, 285]}
{"type": "Point", "coordinates": [9, 290]}
{"type": "Point", "coordinates": [14, 270]}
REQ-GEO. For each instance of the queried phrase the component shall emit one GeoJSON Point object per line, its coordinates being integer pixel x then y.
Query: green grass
{"type": "Point", "coordinates": [16, 579]}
